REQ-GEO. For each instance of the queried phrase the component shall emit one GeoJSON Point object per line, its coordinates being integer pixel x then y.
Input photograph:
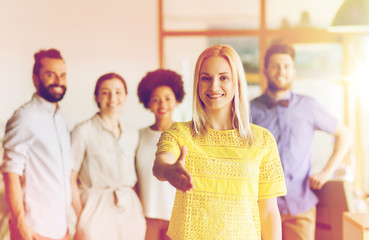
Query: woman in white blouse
{"type": "Point", "coordinates": [159, 91]}
{"type": "Point", "coordinates": [103, 170]}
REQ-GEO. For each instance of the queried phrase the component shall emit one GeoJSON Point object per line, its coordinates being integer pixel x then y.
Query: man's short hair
{"type": "Point", "coordinates": [51, 53]}
{"type": "Point", "coordinates": [279, 48]}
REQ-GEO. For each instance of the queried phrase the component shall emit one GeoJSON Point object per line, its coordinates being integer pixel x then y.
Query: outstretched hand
{"type": "Point", "coordinates": [177, 175]}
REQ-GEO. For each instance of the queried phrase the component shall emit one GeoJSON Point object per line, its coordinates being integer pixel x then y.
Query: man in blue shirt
{"type": "Point", "coordinates": [292, 119]}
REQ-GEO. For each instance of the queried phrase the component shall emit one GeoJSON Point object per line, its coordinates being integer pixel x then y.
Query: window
{"type": "Point", "coordinates": [322, 59]}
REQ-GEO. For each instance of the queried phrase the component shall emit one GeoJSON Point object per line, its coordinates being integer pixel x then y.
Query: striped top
{"type": "Point", "coordinates": [229, 177]}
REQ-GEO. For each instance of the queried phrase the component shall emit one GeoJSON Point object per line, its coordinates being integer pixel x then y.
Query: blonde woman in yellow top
{"type": "Point", "coordinates": [227, 172]}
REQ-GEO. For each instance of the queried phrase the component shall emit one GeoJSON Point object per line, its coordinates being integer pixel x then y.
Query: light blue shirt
{"type": "Point", "coordinates": [37, 148]}
{"type": "Point", "coordinates": [293, 128]}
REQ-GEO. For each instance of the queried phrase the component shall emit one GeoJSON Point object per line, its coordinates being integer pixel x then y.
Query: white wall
{"type": "Point", "coordinates": [94, 37]}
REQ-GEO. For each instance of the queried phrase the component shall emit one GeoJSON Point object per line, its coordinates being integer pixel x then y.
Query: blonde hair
{"type": "Point", "coordinates": [240, 104]}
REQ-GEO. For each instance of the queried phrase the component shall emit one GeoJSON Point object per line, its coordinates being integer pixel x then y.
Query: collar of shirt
{"type": "Point", "coordinates": [46, 105]}
{"type": "Point", "coordinates": [99, 122]}
{"type": "Point", "coordinates": [267, 98]}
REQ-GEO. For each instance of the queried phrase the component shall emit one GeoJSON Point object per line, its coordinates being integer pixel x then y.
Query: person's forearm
{"type": "Point", "coordinates": [162, 161]}
{"type": "Point", "coordinates": [271, 228]}
{"type": "Point", "coordinates": [270, 219]}
{"type": "Point", "coordinates": [341, 147]}
{"type": "Point", "coordinates": [76, 198]}
{"type": "Point", "coordinates": [14, 197]}
{"type": "Point", "coordinates": [167, 168]}
{"type": "Point", "coordinates": [13, 192]}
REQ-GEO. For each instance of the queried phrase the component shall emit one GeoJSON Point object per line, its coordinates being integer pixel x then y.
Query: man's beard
{"type": "Point", "coordinates": [46, 92]}
{"type": "Point", "coordinates": [275, 87]}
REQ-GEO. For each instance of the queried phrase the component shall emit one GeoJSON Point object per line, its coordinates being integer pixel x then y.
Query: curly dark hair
{"type": "Point", "coordinates": [157, 78]}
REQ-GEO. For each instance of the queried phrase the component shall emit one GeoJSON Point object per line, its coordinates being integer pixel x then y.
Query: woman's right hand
{"type": "Point", "coordinates": [177, 175]}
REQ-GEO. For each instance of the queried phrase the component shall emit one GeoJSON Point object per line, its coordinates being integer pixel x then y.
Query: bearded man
{"type": "Point", "coordinates": [292, 119]}
{"type": "Point", "coordinates": [36, 166]}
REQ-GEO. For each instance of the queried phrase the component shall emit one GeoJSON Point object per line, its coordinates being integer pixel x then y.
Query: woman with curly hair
{"type": "Point", "coordinates": [159, 91]}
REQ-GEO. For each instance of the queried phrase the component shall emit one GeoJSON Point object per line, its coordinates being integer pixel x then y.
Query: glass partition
{"type": "Point", "coordinates": [319, 61]}
{"type": "Point", "coordinates": [181, 53]}
{"type": "Point", "coordinates": [210, 14]}
{"type": "Point", "coordinates": [297, 13]}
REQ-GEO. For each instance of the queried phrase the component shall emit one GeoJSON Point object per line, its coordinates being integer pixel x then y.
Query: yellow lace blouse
{"type": "Point", "coordinates": [229, 178]}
